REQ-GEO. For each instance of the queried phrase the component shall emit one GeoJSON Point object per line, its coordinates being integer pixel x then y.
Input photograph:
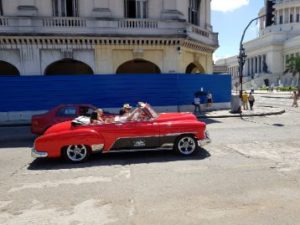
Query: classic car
{"type": "Point", "coordinates": [64, 112]}
{"type": "Point", "coordinates": [144, 129]}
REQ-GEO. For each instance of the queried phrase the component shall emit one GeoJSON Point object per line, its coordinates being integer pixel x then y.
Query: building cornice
{"type": "Point", "coordinates": [80, 42]}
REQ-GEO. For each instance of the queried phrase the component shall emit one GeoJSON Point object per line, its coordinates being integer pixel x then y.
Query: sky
{"type": "Point", "coordinates": [229, 19]}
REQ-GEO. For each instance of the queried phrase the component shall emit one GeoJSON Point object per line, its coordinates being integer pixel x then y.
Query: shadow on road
{"type": "Point", "coordinates": [209, 121]}
{"type": "Point", "coordinates": [110, 159]}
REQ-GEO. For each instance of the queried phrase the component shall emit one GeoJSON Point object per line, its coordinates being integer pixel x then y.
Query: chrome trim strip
{"type": "Point", "coordinates": [167, 146]}
{"type": "Point", "coordinates": [37, 154]}
{"type": "Point", "coordinates": [138, 150]}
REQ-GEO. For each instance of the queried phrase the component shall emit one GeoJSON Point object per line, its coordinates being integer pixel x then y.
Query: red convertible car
{"type": "Point", "coordinates": [144, 129]}
{"type": "Point", "coordinates": [40, 123]}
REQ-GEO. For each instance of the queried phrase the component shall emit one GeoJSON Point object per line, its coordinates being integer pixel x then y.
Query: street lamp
{"type": "Point", "coordinates": [270, 20]}
{"type": "Point", "coordinates": [242, 55]}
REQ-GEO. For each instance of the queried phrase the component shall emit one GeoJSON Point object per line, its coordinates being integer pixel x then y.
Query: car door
{"type": "Point", "coordinates": [131, 135]}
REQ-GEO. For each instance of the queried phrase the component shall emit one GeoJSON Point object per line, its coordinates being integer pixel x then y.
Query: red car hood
{"type": "Point", "coordinates": [176, 116]}
{"type": "Point", "coordinates": [59, 127]}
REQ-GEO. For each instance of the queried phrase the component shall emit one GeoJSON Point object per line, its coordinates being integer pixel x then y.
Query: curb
{"type": "Point", "coordinates": [241, 115]}
{"type": "Point", "coordinates": [15, 124]}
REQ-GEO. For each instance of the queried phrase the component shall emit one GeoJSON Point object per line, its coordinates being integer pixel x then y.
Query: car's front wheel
{"type": "Point", "coordinates": [76, 153]}
{"type": "Point", "coordinates": [186, 145]}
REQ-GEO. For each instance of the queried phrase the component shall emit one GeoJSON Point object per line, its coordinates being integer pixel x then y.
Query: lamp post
{"type": "Point", "coordinates": [242, 55]}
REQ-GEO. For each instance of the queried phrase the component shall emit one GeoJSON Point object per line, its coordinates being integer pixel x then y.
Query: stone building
{"type": "Point", "coordinates": [268, 53]}
{"type": "Point", "coordinates": [49, 37]}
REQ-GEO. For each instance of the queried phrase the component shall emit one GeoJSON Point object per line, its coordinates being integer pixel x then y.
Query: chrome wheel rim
{"type": "Point", "coordinates": [76, 153]}
{"type": "Point", "coordinates": [186, 145]}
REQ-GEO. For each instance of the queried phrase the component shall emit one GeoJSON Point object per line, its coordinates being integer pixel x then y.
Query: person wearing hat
{"type": "Point", "coordinates": [124, 113]}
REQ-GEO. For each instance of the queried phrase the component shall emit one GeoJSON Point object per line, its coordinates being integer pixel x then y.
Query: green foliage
{"type": "Point", "coordinates": [293, 67]}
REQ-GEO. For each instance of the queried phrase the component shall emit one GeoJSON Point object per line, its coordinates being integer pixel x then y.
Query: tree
{"type": "Point", "coordinates": [293, 67]}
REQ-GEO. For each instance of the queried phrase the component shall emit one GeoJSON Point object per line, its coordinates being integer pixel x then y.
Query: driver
{"type": "Point", "coordinates": [125, 114]}
{"type": "Point", "coordinates": [137, 114]}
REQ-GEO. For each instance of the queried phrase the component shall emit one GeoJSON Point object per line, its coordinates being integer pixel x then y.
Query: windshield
{"type": "Point", "coordinates": [151, 111]}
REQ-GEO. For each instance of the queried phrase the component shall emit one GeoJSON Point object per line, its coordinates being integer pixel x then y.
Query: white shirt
{"type": "Point", "coordinates": [197, 101]}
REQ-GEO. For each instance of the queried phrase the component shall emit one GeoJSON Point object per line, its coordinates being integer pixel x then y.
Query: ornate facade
{"type": "Point", "coordinates": [267, 54]}
{"type": "Point", "coordinates": [47, 37]}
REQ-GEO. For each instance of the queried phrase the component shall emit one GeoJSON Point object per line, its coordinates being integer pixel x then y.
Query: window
{"type": "Point", "coordinates": [85, 111]}
{"type": "Point", "coordinates": [67, 112]}
{"type": "Point", "coordinates": [136, 9]}
{"type": "Point", "coordinates": [297, 18]}
{"type": "Point", "coordinates": [1, 10]}
{"type": "Point", "coordinates": [65, 8]}
{"type": "Point", "coordinates": [280, 19]}
{"type": "Point", "coordinates": [291, 18]}
{"type": "Point", "coordinates": [194, 11]}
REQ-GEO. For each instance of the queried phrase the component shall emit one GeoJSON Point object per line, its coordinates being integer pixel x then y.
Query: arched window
{"type": "Point", "coordinates": [8, 69]}
{"type": "Point", "coordinates": [194, 6]}
{"type": "Point", "coordinates": [136, 8]}
{"type": "Point", "coordinates": [68, 67]}
{"type": "Point", "coordinates": [193, 68]}
{"type": "Point", "coordinates": [65, 8]}
{"type": "Point", "coordinates": [138, 66]}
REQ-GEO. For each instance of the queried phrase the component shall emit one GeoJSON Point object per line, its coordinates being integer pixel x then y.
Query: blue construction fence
{"type": "Point", "coordinates": [32, 93]}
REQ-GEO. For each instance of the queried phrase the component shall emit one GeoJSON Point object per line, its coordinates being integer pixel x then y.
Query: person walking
{"type": "Point", "coordinates": [295, 99]}
{"type": "Point", "coordinates": [197, 103]}
{"type": "Point", "coordinates": [209, 99]}
{"type": "Point", "coordinates": [251, 100]}
{"type": "Point", "coordinates": [245, 98]}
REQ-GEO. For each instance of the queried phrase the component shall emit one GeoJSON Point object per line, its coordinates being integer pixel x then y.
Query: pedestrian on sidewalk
{"type": "Point", "coordinates": [245, 99]}
{"type": "Point", "coordinates": [295, 99]}
{"type": "Point", "coordinates": [251, 100]}
{"type": "Point", "coordinates": [209, 99]}
{"type": "Point", "coordinates": [197, 104]}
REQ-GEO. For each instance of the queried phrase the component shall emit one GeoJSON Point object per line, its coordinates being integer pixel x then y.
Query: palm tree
{"type": "Point", "coordinates": [293, 67]}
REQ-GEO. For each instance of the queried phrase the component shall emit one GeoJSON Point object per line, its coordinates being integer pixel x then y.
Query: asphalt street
{"type": "Point", "coordinates": [249, 174]}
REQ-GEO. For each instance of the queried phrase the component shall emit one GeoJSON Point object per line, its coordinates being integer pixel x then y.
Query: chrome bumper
{"type": "Point", "coordinates": [36, 154]}
{"type": "Point", "coordinates": [204, 141]}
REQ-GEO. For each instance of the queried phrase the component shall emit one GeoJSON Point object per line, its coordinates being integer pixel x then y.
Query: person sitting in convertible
{"type": "Point", "coordinates": [137, 114]}
{"type": "Point", "coordinates": [125, 114]}
{"type": "Point", "coordinates": [97, 117]}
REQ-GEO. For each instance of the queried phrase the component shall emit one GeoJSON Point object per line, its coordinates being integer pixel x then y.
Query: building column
{"type": "Point", "coordinates": [170, 10]}
{"type": "Point", "coordinates": [30, 60]}
{"type": "Point", "coordinates": [208, 15]}
{"type": "Point", "coordinates": [101, 9]}
{"type": "Point", "coordinates": [248, 67]}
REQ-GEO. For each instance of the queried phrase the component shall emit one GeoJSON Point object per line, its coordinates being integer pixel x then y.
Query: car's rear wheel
{"type": "Point", "coordinates": [186, 145]}
{"type": "Point", "coordinates": [76, 153]}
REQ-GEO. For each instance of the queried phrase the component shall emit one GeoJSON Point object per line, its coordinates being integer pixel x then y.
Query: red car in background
{"type": "Point", "coordinates": [143, 129]}
{"type": "Point", "coordinates": [40, 123]}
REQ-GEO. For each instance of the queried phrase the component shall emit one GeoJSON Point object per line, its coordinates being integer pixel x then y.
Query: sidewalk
{"type": "Point", "coordinates": [258, 111]}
